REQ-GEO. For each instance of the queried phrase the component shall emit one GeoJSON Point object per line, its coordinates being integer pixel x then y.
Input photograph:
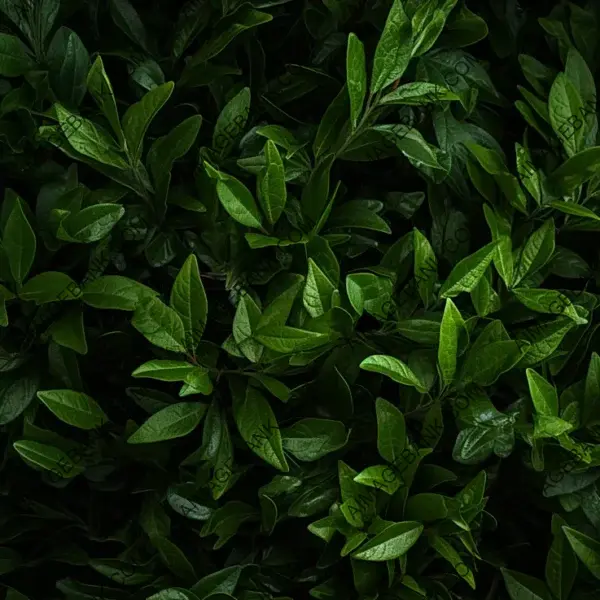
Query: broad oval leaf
{"type": "Point", "coordinates": [175, 421]}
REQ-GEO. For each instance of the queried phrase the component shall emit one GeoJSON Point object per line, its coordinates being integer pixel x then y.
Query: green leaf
{"type": "Point", "coordinates": [19, 242]}
{"type": "Point", "coordinates": [14, 58]}
{"type": "Point", "coordinates": [193, 19]}
{"type": "Point", "coordinates": [175, 421]}
{"type": "Point", "coordinates": [258, 427]}
{"type": "Point", "coordinates": [394, 49]}
{"type": "Point", "coordinates": [453, 325]}
{"type": "Point", "coordinates": [315, 194]}
{"type": "Point", "coordinates": [394, 369]}
{"type": "Point", "coordinates": [223, 581]}
{"type": "Point", "coordinates": [391, 431]}
{"type": "Point", "coordinates": [90, 224]}
{"type": "Point", "coordinates": [188, 299]}
{"type": "Point", "coordinates": [446, 550]}
{"type": "Point", "coordinates": [586, 548]}
{"type": "Point", "coordinates": [74, 408]}
{"type": "Point", "coordinates": [358, 505]}
{"type": "Point", "coordinates": [500, 229]}
{"type": "Point", "coordinates": [127, 19]}
{"type": "Point", "coordinates": [419, 93]}
{"type": "Point", "coordinates": [410, 142]}
{"type": "Point", "coordinates": [100, 88]}
{"type": "Point", "coordinates": [159, 324]}
{"type": "Point", "coordinates": [69, 63]}
{"type": "Point", "coordinates": [524, 587]}
{"type": "Point", "coordinates": [289, 339]}
{"type": "Point", "coordinates": [536, 252]}
{"type": "Point", "coordinates": [51, 286]}
{"type": "Point", "coordinates": [272, 193]}
{"type": "Point", "coordinates": [356, 77]}
{"type": "Point", "coordinates": [228, 29]}
{"type": "Point", "coordinates": [173, 594]}
{"type": "Point", "coordinates": [116, 292]}
{"type": "Point", "coordinates": [16, 393]}
{"type": "Point", "coordinates": [164, 152]}
{"type": "Point", "coordinates": [549, 302]}
{"type": "Point", "coordinates": [425, 267]}
{"type": "Point", "coordinates": [236, 198]}
{"type": "Point", "coordinates": [89, 139]}
{"type": "Point", "coordinates": [393, 542]}
{"type": "Point", "coordinates": [543, 394]}
{"type": "Point", "coordinates": [231, 123]}
{"type": "Point", "coordinates": [467, 273]}
{"type": "Point", "coordinates": [575, 171]}
{"type": "Point", "coordinates": [140, 115]}
{"type": "Point", "coordinates": [565, 109]}
{"type": "Point", "coordinates": [49, 458]}
{"type": "Point", "coordinates": [69, 330]}
{"type": "Point", "coordinates": [561, 562]}
{"type": "Point", "coordinates": [164, 370]}
{"type": "Point", "coordinates": [311, 439]}
{"type": "Point", "coordinates": [318, 291]}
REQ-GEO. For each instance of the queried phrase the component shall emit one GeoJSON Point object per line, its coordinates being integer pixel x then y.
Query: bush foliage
{"type": "Point", "coordinates": [298, 300]}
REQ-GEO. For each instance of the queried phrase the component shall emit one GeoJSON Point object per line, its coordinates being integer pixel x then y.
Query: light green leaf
{"type": "Point", "coordinates": [450, 331]}
{"type": "Point", "coordinates": [89, 139]}
{"type": "Point", "coordinates": [549, 302]}
{"type": "Point", "coordinates": [566, 110]}
{"type": "Point", "coordinates": [74, 408]}
{"type": "Point", "coordinates": [236, 198]}
{"type": "Point", "coordinates": [394, 50]}
{"type": "Point", "coordinates": [356, 77]}
{"type": "Point", "coordinates": [586, 548]}
{"type": "Point", "coordinates": [90, 224]}
{"type": "Point", "coordinates": [467, 273]}
{"type": "Point", "coordinates": [290, 339]}
{"type": "Point", "coordinates": [575, 171]}
{"type": "Point", "coordinates": [49, 458]}
{"type": "Point", "coordinates": [536, 252]}
{"type": "Point", "coordinates": [391, 431]}
{"type": "Point", "coordinates": [318, 290]}
{"type": "Point", "coordinates": [272, 193]}
{"type": "Point", "coordinates": [100, 88]}
{"type": "Point", "coordinates": [393, 542]}
{"type": "Point", "coordinates": [500, 229]}
{"type": "Point", "coordinates": [174, 421]}
{"type": "Point", "coordinates": [425, 267]}
{"type": "Point", "coordinates": [164, 370]}
{"type": "Point", "coordinates": [543, 394]}
{"type": "Point", "coordinates": [393, 368]}
{"type": "Point", "coordinates": [419, 93]}
{"type": "Point", "coordinates": [159, 324]}
{"type": "Point", "coordinates": [188, 299]}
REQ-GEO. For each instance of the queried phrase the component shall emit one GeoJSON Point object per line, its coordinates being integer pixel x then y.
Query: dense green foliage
{"type": "Point", "coordinates": [298, 300]}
